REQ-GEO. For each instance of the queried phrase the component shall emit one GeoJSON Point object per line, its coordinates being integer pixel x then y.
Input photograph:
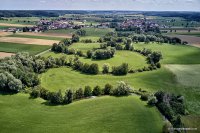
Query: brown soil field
{"type": "Point", "coordinates": [47, 34]}
{"type": "Point", "coordinates": [14, 25]}
{"type": "Point", "coordinates": [27, 40]}
{"type": "Point", "coordinates": [2, 33]}
{"type": "Point", "coordinates": [192, 40]}
{"type": "Point", "coordinates": [3, 54]}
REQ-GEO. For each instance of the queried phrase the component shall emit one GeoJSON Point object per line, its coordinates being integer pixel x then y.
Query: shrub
{"type": "Point", "coordinates": [56, 97]}
{"type": "Point", "coordinates": [79, 93]}
{"type": "Point", "coordinates": [75, 38]}
{"type": "Point", "coordinates": [144, 97]}
{"type": "Point", "coordinates": [81, 32]}
{"type": "Point", "coordinates": [122, 89]}
{"type": "Point", "coordinates": [93, 69]}
{"type": "Point", "coordinates": [103, 54]}
{"type": "Point", "coordinates": [105, 68]}
{"type": "Point", "coordinates": [103, 46]}
{"type": "Point", "coordinates": [35, 93]}
{"type": "Point", "coordinates": [89, 54]}
{"type": "Point", "coordinates": [87, 91]}
{"type": "Point", "coordinates": [68, 98]}
{"type": "Point", "coordinates": [152, 101]}
{"type": "Point", "coordinates": [119, 47]}
{"type": "Point", "coordinates": [80, 53]}
{"type": "Point", "coordinates": [120, 70]}
{"type": "Point", "coordinates": [166, 127]}
{"type": "Point", "coordinates": [96, 91]}
{"type": "Point", "coordinates": [108, 89]}
{"type": "Point", "coordinates": [154, 58]}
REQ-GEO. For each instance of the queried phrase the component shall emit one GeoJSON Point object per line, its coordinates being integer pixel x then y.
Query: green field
{"type": "Point", "coordinates": [36, 37]}
{"type": "Point", "coordinates": [197, 34]}
{"type": "Point", "coordinates": [187, 75]}
{"type": "Point", "coordinates": [15, 47]}
{"type": "Point", "coordinates": [92, 32]}
{"type": "Point", "coordinates": [174, 54]}
{"type": "Point", "coordinates": [104, 114]}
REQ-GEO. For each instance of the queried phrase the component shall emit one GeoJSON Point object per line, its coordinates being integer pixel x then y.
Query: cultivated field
{"type": "Point", "coordinates": [192, 40]}
{"type": "Point", "coordinates": [16, 47]}
{"type": "Point", "coordinates": [27, 40]}
{"type": "Point", "coordinates": [15, 25]}
{"type": "Point", "coordinates": [3, 54]}
{"type": "Point", "coordinates": [104, 114]}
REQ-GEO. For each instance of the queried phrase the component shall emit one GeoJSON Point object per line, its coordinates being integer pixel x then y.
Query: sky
{"type": "Point", "coordinates": [134, 5]}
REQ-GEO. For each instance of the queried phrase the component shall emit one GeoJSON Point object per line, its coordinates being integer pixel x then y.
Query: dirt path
{"type": "Point", "coordinates": [3, 54]}
{"type": "Point", "coordinates": [15, 25]}
{"type": "Point", "coordinates": [27, 40]}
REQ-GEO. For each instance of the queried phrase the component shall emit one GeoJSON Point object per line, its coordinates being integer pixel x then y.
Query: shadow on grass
{"type": "Point", "coordinates": [7, 93]}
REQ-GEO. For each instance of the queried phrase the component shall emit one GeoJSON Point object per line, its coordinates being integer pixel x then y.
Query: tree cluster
{"type": "Point", "coordinates": [57, 98]}
{"type": "Point", "coordinates": [171, 106]}
{"type": "Point", "coordinates": [103, 53]}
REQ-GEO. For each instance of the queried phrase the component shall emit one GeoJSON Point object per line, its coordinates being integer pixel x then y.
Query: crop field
{"type": "Point", "coordinates": [36, 37]}
{"type": "Point", "coordinates": [104, 114]}
{"type": "Point", "coordinates": [187, 75]}
{"type": "Point", "coordinates": [27, 40]}
{"type": "Point", "coordinates": [14, 25]}
{"type": "Point", "coordinates": [46, 34]}
{"type": "Point", "coordinates": [15, 47]}
{"type": "Point", "coordinates": [192, 40]}
{"type": "Point", "coordinates": [3, 54]}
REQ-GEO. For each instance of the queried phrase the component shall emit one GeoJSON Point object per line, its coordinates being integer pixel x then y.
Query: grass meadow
{"type": "Point", "coordinates": [103, 114]}
{"type": "Point", "coordinates": [15, 48]}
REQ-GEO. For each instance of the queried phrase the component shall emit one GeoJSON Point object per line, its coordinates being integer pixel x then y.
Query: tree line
{"type": "Point", "coordinates": [70, 95]}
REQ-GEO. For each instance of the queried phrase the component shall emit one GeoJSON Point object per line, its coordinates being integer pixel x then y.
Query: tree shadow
{"type": "Point", "coordinates": [7, 93]}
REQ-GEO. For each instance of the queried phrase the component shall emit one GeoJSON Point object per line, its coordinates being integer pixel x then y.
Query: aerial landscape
{"type": "Point", "coordinates": [100, 66]}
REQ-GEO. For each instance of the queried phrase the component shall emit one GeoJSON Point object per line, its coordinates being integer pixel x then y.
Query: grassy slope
{"type": "Point", "coordinates": [174, 54]}
{"type": "Point", "coordinates": [104, 114]}
{"type": "Point", "coordinates": [36, 37]}
{"type": "Point", "coordinates": [15, 47]}
{"type": "Point", "coordinates": [187, 75]}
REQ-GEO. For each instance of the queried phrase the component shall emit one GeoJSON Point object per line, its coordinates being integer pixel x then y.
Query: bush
{"type": "Point", "coordinates": [103, 54]}
{"type": "Point", "coordinates": [75, 38]}
{"type": "Point", "coordinates": [56, 97]}
{"type": "Point", "coordinates": [105, 68]}
{"type": "Point", "coordinates": [144, 97]}
{"type": "Point", "coordinates": [68, 98]}
{"type": "Point", "coordinates": [154, 58]}
{"type": "Point", "coordinates": [152, 101]}
{"type": "Point", "coordinates": [87, 91]}
{"type": "Point", "coordinates": [35, 93]}
{"type": "Point", "coordinates": [103, 46]}
{"type": "Point", "coordinates": [122, 89]}
{"type": "Point", "coordinates": [80, 53]}
{"type": "Point", "coordinates": [93, 69]}
{"type": "Point", "coordinates": [89, 54]}
{"type": "Point", "coordinates": [166, 127]}
{"type": "Point", "coordinates": [108, 89]}
{"type": "Point", "coordinates": [119, 47]}
{"type": "Point", "coordinates": [120, 70]}
{"type": "Point", "coordinates": [96, 91]}
{"type": "Point", "coordinates": [79, 93]}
